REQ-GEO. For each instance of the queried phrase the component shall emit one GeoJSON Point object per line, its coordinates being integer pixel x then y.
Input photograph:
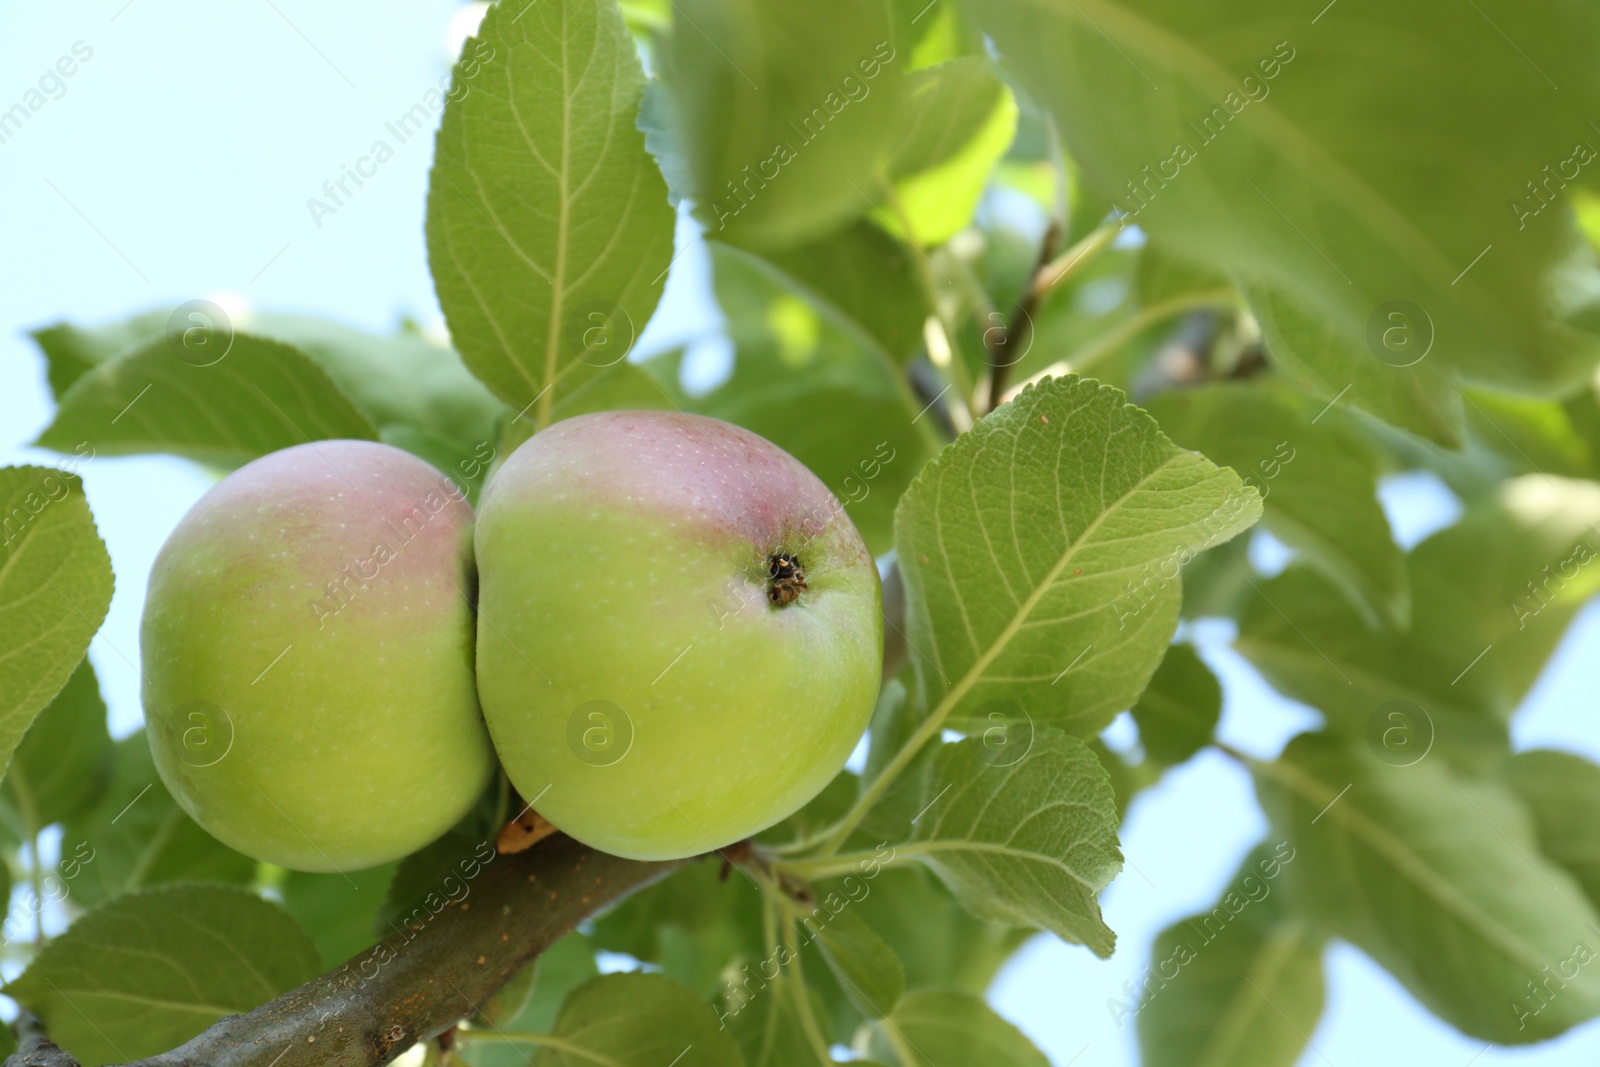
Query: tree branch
{"type": "Point", "coordinates": [415, 984]}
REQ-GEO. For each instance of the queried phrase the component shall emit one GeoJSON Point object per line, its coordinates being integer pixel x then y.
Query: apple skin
{"type": "Point", "coordinates": [308, 658]}
{"type": "Point", "coordinates": [625, 559]}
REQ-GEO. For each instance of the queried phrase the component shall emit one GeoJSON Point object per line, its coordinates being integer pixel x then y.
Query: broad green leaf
{"type": "Point", "coordinates": [869, 278]}
{"type": "Point", "coordinates": [1325, 364]}
{"type": "Point", "coordinates": [959, 120]}
{"type": "Point", "coordinates": [417, 395]}
{"type": "Point", "coordinates": [559, 970]}
{"type": "Point", "coordinates": [148, 971]}
{"type": "Point", "coordinates": [1562, 792]}
{"type": "Point", "coordinates": [767, 1024]}
{"type": "Point", "coordinates": [934, 34]}
{"type": "Point", "coordinates": [1237, 986]}
{"type": "Point", "coordinates": [637, 1020]}
{"type": "Point", "coordinates": [784, 112]}
{"type": "Point", "coordinates": [430, 879]}
{"type": "Point", "coordinates": [337, 910]}
{"type": "Point", "coordinates": [1439, 880]}
{"type": "Point", "coordinates": [136, 836]}
{"type": "Point", "coordinates": [64, 761]}
{"type": "Point", "coordinates": [55, 587]}
{"type": "Point", "coordinates": [1317, 483]}
{"type": "Point", "coordinates": [622, 386]}
{"type": "Point", "coordinates": [938, 1029]}
{"type": "Point", "coordinates": [1527, 434]}
{"type": "Point", "coordinates": [548, 224]}
{"type": "Point", "coordinates": [1217, 581]}
{"type": "Point", "coordinates": [1179, 709]}
{"type": "Point", "coordinates": [693, 924]}
{"type": "Point", "coordinates": [867, 969]}
{"type": "Point", "coordinates": [1491, 597]}
{"type": "Point", "coordinates": [1029, 839]}
{"type": "Point", "coordinates": [261, 396]}
{"type": "Point", "coordinates": [70, 350]}
{"type": "Point", "coordinates": [1042, 554]}
{"type": "Point", "coordinates": [939, 944]}
{"type": "Point", "coordinates": [811, 382]}
{"type": "Point", "coordinates": [1110, 316]}
{"type": "Point", "coordinates": [1241, 135]}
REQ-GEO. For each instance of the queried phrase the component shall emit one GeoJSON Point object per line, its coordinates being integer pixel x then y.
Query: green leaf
{"type": "Point", "coordinates": [937, 1029]}
{"type": "Point", "coordinates": [148, 971]}
{"type": "Point", "coordinates": [337, 910]}
{"type": "Point", "coordinates": [939, 944]}
{"type": "Point", "coordinates": [813, 384]}
{"type": "Point", "coordinates": [865, 966]}
{"type": "Point", "coordinates": [428, 880]}
{"type": "Point", "coordinates": [1318, 485]}
{"type": "Point", "coordinates": [1324, 363]}
{"type": "Point", "coordinates": [559, 970]}
{"type": "Point", "coordinates": [64, 761]}
{"type": "Point", "coordinates": [416, 394]}
{"type": "Point", "coordinates": [1179, 709]}
{"type": "Point", "coordinates": [1027, 839]}
{"type": "Point", "coordinates": [1237, 986]}
{"type": "Point", "coordinates": [1438, 880]}
{"type": "Point", "coordinates": [868, 277]}
{"type": "Point", "coordinates": [959, 120]}
{"type": "Point", "coordinates": [1491, 597]}
{"type": "Point", "coordinates": [1562, 792]}
{"type": "Point", "coordinates": [70, 351]}
{"type": "Point", "coordinates": [55, 587]}
{"type": "Point", "coordinates": [548, 225]}
{"type": "Point", "coordinates": [1109, 319]}
{"type": "Point", "coordinates": [637, 1020]}
{"type": "Point", "coordinates": [1042, 551]}
{"type": "Point", "coordinates": [784, 112]}
{"type": "Point", "coordinates": [260, 397]}
{"type": "Point", "coordinates": [1233, 134]}
{"type": "Point", "coordinates": [693, 924]}
{"type": "Point", "coordinates": [137, 836]}
{"type": "Point", "coordinates": [769, 1028]}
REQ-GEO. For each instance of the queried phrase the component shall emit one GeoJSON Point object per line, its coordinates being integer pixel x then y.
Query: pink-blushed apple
{"type": "Point", "coordinates": [308, 658]}
{"type": "Point", "coordinates": [680, 638]}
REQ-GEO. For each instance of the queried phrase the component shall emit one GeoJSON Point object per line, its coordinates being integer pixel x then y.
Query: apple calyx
{"type": "Point", "coordinates": [786, 578]}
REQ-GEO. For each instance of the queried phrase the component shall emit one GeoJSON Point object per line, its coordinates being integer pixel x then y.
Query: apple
{"type": "Point", "coordinates": [679, 630]}
{"type": "Point", "coordinates": [307, 644]}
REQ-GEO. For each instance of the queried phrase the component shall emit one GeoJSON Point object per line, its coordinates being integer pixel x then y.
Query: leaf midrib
{"type": "Point", "coordinates": [975, 673]}
{"type": "Point", "coordinates": [1151, 38]}
{"type": "Point", "coordinates": [1275, 954]}
{"type": "Point", "coordinates": [1412, 867]}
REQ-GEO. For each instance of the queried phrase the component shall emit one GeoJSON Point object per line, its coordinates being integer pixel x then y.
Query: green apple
{"type": "Point", "coordinates": [307, 644]}
{"type": "Point", "coordinates": [679, 637]}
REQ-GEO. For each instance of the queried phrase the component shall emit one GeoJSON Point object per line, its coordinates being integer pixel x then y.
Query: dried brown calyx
{"type": "Point", "coordinates": [786, 578]}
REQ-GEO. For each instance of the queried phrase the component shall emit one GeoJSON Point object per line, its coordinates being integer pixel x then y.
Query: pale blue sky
{"type": "Point", "coordinates": [177, 163]}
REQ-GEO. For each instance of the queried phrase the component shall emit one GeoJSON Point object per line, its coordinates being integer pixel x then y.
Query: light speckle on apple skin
{"type": "Point", "coordinates": [373, 696]}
